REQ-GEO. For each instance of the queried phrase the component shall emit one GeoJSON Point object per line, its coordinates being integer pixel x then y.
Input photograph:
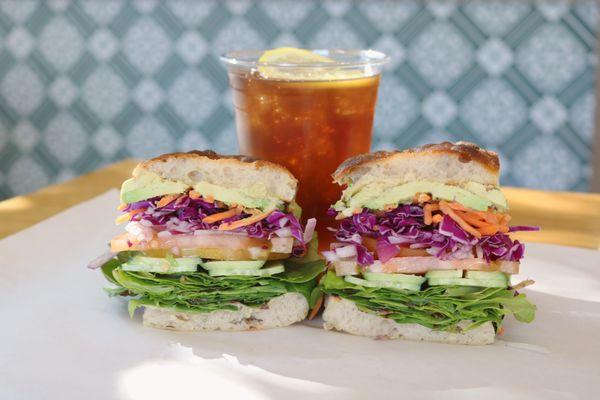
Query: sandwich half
{"type": "Point", "coordinates": [210, 243]}
{"type": "Point", "coordinates": [423, 247]}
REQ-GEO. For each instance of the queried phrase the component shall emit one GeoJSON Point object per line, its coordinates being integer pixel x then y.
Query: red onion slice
{"type": "Point", "coordinates": [346, 251]}
{"type": "Point", "coordinates": [100, 260]}
{"type": "Point", "coordinates": [283, 232]}
{"type": "Point", "coordinates": [208, 232]}
{"type": "Point", "coordinates": [309, 229]}
{"type": "Point", "coordinates": [330, 256]}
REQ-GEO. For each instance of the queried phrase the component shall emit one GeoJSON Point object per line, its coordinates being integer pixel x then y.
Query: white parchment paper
{"type": "Point", "coordinates": [61, 337]}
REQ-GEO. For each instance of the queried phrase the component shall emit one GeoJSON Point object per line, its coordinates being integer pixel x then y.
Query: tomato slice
{"type": "Point", "coordinates": [217, 246]}
{"type": "Point", "coordinates": [420, 265]}
{"type": "Point", "coordinates": [371, 245]}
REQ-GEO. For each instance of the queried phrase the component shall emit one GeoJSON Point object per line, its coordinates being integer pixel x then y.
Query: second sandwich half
{"type": "Point", "coordinates": [423, 247]}
{"type": "Point", "coordinates": [209, 244]}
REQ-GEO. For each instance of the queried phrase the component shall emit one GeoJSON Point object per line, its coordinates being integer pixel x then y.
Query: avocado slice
{"type": "Point", "coordinates": [148, 185]}
{"type": "Point", "coordinates": [494, 195]}
{"type": "Point", "coordinates": [241, 197]}
{"type": "Point", "coordinates": [379, 194]}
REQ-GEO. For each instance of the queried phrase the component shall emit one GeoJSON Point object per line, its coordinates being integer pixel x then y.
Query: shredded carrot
{"type": "Point", "coordinates": [456, 206]}
{"type": "Point", "coordinates": [209, 198]}
{"type": "Point", "coordinates": [489, 230]}
{"type": "Point", "coordinates": [252, 211]}
{"type": "Point", "coordinates": [459, 207]}
{"type": "Point", "coordinates": [127, 216]}
{"type": "Point", "coordinates": [316, 308]}
{"type": "Point", "coordinates": [478, 214]}
{"type": "Point", "coordinates": [228, 226]}
{"type": "Point", "coordinates": [492, 218]}
{"type": "Point", "coordinates": [485, 222]}
{"type": "Point", "coordinates": [165, 200]}
{"type": "Point", "coordinates": [427, 217]}
{"type": "Point", "coordinates": [423, 198]}
{"type": "Point", "coordinates": [473, 220]}
{"type": "Point", "coordinates": [194, 195]}
{"type": "Point", "coordinates": [222, 215]}
{"type": "Point", "coordinates": [499, 220]}
{"type": "Point", "coordinates": [122, 218]}
{"type": "Point", "coordinates": [356, 211]}
{"type": "Point", "coordinates": [437, 218]}
{"type": "Point", "coordinates": [427, 210]}
{"type": "Point", "coordinates": [448, 211]}
{"type": "Point", "coordinates": [505, 219]}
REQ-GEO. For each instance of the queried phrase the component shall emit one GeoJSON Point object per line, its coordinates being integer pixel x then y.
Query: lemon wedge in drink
{"type": "Point", "coordinates": [292, 55]}
{"type": "Point", "coordinates": [287, 63]}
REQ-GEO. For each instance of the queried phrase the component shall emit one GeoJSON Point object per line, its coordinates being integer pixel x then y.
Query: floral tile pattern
{"type": "Point", "coordinates": [87, 82]}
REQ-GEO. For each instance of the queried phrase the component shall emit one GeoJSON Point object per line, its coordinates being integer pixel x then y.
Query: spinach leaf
{"type": "Point", "coordinates": [200, 292]}
{"type": "Point", "coordinates": [436, 307]}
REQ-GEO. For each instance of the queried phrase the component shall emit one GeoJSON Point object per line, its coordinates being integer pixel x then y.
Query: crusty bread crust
{"type": "Point", "coordinates": [343, 315]}
{"type": "Point", "coordinates": [212, 155]}
{"type": "Point", "coordinates": [483, 163]}
{"type": "Point", "coordinates": [231, 171]}
{"type": "Point", "coordinates": [280, 311]}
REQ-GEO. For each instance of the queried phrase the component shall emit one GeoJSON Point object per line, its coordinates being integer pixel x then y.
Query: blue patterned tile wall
{"type": "Point", "coordinates": [85, 83]}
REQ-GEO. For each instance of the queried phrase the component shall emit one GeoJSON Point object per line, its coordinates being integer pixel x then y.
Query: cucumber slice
{"type": "Point", "coordinates": [161, 265]}
{"type": "Point", "coordinates": [396, 278]}
{"type": "Point", "coordinates": [492, 275]}
{"type": "Point", "coordinates": [494, 283]}
{"type": "Point", "coordinates": [488, 282]}
{"type": "Point", "coordinates": [383, 284]}
{"type": "Point", "coordinates": [247, 272]}
{"type": "Point", "coordinates": [233, 265]}
{"type": "Point", "coordinates": [446, 282]}
{"type": "Point", "coordinates": [457, 273]}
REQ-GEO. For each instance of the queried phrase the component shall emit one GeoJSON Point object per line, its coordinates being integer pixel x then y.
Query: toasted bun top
{"type": "Point", "coordinates": [449, 163]}
{"type": "Point", "coordinates": [231, 171]}
{"type": "Point", "coordinates": [206, 155]}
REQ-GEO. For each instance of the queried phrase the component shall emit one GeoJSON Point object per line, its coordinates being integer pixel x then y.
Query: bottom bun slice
{"type": "Point", "coordinates": [343, 315]}
{"type": "Point", "coordinates": [278, 312]}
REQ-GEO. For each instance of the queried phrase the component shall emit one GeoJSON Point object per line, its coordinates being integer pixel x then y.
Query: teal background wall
{"type": "Point", "coordinates": [85, 83]}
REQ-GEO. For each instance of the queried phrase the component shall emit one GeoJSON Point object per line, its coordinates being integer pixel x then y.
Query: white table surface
{"type": "Point", "coordinates": [61, 337]}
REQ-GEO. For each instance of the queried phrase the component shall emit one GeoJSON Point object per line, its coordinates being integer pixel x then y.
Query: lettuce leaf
{"type": "Point", "coordinates": [437, 307]}
{"type": "Point", "coordinates": [200, 292]}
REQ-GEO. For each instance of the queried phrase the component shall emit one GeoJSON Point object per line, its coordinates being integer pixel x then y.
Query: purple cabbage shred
{"type": "Point", "coordinates": [405, 227]}
{"type": "Point", "coordinates": [184, 216]}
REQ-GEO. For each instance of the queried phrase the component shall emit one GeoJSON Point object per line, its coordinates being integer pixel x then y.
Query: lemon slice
{"type": "Point", "coordinates": [295, 71]}
{"type": "Point", "coordinates": [292, 55]}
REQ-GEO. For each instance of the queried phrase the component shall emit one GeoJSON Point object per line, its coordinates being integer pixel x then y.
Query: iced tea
{"type": "Point", "coordinates": [310, 126]}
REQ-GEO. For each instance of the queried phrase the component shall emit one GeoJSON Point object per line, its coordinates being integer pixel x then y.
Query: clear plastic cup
{"type": "Point", "coordinates": [309, 117]}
